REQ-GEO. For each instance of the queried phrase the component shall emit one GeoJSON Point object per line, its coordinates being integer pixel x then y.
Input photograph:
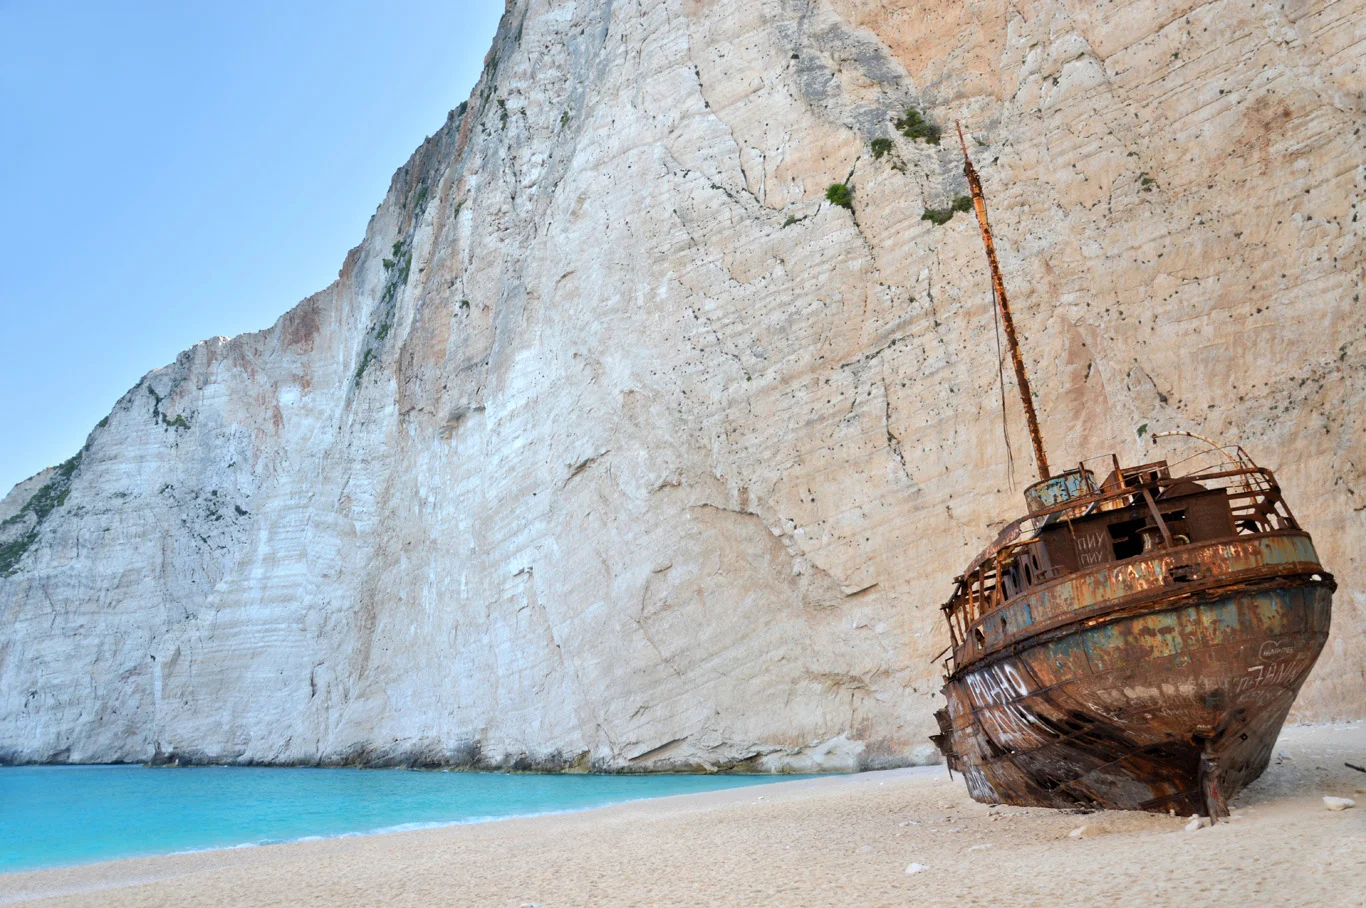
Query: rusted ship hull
{"type": "Point", "coordinates": [1170, 704]}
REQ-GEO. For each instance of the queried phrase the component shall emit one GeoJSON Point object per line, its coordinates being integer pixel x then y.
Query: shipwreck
{"type": "Point", "coordinates": [1136, 639]}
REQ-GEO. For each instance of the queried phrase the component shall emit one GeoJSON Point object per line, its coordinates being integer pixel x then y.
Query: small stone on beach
{"type": "Point", "coordinates": [1197, 823]}
{"type": "Point", "coordinates": [916, 868]}
{"type": "Point", "coordinates": [1339, 803]}
{"type": "Point", "coordinates": [980, 847]}
{"type": "Point", "coordinates": [1077, 833]}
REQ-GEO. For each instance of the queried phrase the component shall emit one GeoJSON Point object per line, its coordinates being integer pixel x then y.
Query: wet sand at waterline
{"type": "Point", "coordinates": [834, 841]}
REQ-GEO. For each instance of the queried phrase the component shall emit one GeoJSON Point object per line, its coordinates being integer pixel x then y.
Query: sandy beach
{"type": "Point", "coordinates": [836, 841]}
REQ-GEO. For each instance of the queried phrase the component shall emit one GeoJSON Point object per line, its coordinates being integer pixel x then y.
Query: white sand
{"type": "Point", "coordinates": [834, 841]}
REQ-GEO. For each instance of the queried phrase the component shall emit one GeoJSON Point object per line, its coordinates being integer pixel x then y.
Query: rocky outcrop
{"type": "Point", "coordinates": [616, 445]}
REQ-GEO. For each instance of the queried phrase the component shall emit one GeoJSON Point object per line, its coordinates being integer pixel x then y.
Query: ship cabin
{"type": "Point", "coordinates": [1078, 525]}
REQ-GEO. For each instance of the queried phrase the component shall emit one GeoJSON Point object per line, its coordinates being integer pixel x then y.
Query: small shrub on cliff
{"type": "Point", "coordinates": [913, 125]}
{"type": "Point", "coordinates": [881, 147]}
{"type": "Point", "coordinates": [941, 216]}
{"type": "Point", "coordinates": [841, 195]}
{"type": "Point", "coordinates": [364, 364]}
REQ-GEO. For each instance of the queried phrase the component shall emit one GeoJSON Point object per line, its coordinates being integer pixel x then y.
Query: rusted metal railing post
{"type": "Point", "coordinates": [998, 284]}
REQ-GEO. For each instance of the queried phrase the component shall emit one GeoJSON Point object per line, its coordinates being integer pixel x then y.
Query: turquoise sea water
{"type": "Point", "coordinates": [54, 816]}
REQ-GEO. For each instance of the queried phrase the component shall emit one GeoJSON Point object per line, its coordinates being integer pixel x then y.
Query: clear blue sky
{"type": "Point", "coordinates": [172, 171]}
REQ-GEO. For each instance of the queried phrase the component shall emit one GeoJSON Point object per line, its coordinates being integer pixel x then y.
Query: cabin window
{"type": "Point", "coordinates": [1010, 581]}
{"type": "Point", "coordinates": [1126, 536]}
{"type": "Point", "coordinates": [978, 637]}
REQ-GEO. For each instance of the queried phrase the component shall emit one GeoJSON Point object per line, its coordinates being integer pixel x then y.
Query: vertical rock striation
{"type": "Point", "coordinates": [615, 444]}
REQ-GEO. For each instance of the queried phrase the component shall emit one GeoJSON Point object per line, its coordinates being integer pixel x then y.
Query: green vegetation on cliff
{"type": "Point", "coordinates": [51, 496]}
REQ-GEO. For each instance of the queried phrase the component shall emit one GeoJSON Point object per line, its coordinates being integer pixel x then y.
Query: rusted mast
{"type": "Point", "coordinates": [998, 284]}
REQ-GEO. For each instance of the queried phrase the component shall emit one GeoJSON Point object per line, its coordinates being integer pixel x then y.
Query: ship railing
{"type": "Point", "coordinates": [1255, 503]}
{"type": "Point", "coordinates": [1208, 455]}
{"type": "Point", "coordinates": [1254, 497]}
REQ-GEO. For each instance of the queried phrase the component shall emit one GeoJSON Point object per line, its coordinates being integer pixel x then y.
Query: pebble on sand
{"type": "Point", "coordinates": [1077, 833]}
{"type": "Point", "coordinates": [916, 868]}
{"type": "Point", "coordinates": [1338, 803]}
{"type": "Point", "coordinates": [1197, 823]}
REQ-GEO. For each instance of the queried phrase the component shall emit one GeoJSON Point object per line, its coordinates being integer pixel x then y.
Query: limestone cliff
{"type": "Point", "coordinates": [616, 444]}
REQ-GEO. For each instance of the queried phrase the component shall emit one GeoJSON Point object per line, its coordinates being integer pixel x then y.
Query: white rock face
{"type": "Point", "coordinates": [615, 444]}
